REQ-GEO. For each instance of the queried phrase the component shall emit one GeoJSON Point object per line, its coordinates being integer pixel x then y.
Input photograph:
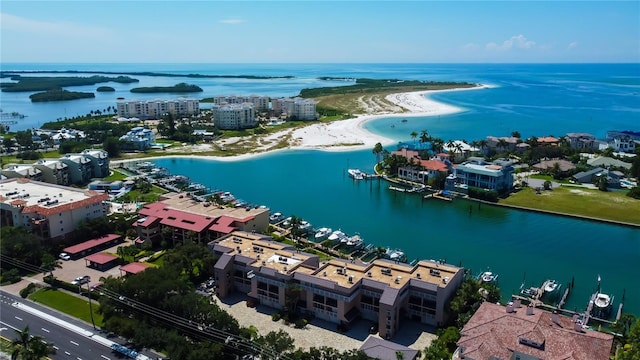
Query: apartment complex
{"type": "Point", "coordinates": [154, 109]}
{"type": "Point", "coordinates": [338, 291]}
{"type": "Point", "coordinates": [295, 108]}
{"type": "Point", "coordinates": [522, 332]}
{"type": "Point", "coordinates": [260, 103]}
{"type": "Point", "coordinates": [49, 210]}
{"type": "Point", "coordinates": [234, 116]}
{"type": "Point", "coordinates": [77, 169]}
{"type": "Point", "coordinates": [475, 172]}
{"type": "Point", "coordinates": [176, 217]}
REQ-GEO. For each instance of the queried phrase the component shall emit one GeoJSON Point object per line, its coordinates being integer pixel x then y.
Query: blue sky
{"type": "Point", "coordinates": [319, 31]}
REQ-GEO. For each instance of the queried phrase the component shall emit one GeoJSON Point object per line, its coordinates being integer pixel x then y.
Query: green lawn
{"type": "Point", "coordinates": [115, 176]}
{"type": "Point", "coordinates": [579, 201]}
{"type": "Point", "coordinates": [68, 304]}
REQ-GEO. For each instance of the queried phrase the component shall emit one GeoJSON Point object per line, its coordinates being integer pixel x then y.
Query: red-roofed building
{"type": "Point", "coordinates": [177, 217]}
{"type": "Point", "coordinates": [101, 261]}
{"type": "Point", "coordinates": [520, 332]}
{"type": "Point", "coordinates": [92, 246]}
{"type": "Point", "coordinates": [50, 211]}
{"type": "Point", "coordinates": [133, 268]}
{"type": "Point", "coordinates": [548, 140]}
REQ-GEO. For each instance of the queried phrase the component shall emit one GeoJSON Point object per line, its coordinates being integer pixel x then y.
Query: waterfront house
{"type": "Point", "coordinates": [339, 291]}
{"type": "Point", "coordinates": [607, 162]}
{"type": "Point", "coordinates": [563, 165]}
{"type": "Point", "coordinates": [587, 177]}
{"type": "Point", "coordinates": [478, 173]}
{"type": "Point", "coordinates": [459, 150]}
{"type": "Point", "coordinates": [581, 141]}
{"type": "Point", "coordinates": [523, 332]}
{"type": "Point", "coordinates": [501, 144]}
{"type": "Point", "coordinates": [140, 138]}
{"type": "Point", "coordinates": [547, 141]}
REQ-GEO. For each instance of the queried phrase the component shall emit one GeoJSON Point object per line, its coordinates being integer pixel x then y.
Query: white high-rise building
{"type": "Point", "coordinates": [295, 108]}
{"type": "Point", "coordinates": [234, 116]}
{"type": "Point", "coordinates": [154, 109]}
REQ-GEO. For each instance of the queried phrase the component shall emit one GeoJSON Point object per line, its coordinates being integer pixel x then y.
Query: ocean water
{"type": "Point", "coordinates": [538, 100]}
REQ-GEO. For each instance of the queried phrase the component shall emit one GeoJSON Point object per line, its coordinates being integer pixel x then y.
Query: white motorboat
{"type": "Point", "coordinates": [356, 174]}
{"type": "Point", "coordinates": [305, 226]}
{"type": "Point", "coordinates": [396, 255]}
{"type": "Point", "coordinates": [488, 277]}
{"type": "Point", "coordinates": [322, 233]}
{"type": "Point", "coordinates": [355, 241]}
{"type": "Point", "coordinates": [287, 222]}
{"type": "Point", "coordinates": [276, 218]}
{"type": "Point", "coordinates": [337, 236]}
{"type": "Point", "coordinates": [550, 286]}
{"type": "Point", "coordinates": [602, 301]}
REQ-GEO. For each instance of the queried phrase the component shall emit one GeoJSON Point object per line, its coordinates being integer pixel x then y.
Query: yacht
{"type": "Point", "coordinates": [355, 241]}
{"type": "Point", "coordinates": [287, 222]}
{"type": "Point", "coordinates": [395, 255]}
{"type": "Point", "coordinates": [305, 226]}
{"type": "Point", "coordinates": [337, 236]}
{"type": "Point", "coordinates": [551, 287]}
{"type": "Point", "coordinates": [356, 174]}
{"type": "Point", "coordinates": [322, 233]}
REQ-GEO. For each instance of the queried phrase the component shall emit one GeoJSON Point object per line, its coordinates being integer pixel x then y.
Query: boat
{"type": "Point", "coordinates": [276, 218]}
{"type": "Point", "coordinates": [287, 222]}
{"type": "Point", "coordinates": [322, 233]}
{"type": "Point", "coordinates": [488, 277]}
{"type": "Point", "coordinates": [356, 174]}
{"type": "Point", "coordinates": [602, 305]}
{"type": "Point", "coordinates": [395, 188]}
{"type": "Point", "coordinates": [530, 292]}
{"type": "Point", "coordinates": [355, 241]}
{"type": "Point", "coordinates": [337, 236]}
{"type": "Point", "coordinates": [395, 255]}
{"type": "Point", "coordinates": [551, 288]}
{"type": "Point", "coordinates": [305, 226]}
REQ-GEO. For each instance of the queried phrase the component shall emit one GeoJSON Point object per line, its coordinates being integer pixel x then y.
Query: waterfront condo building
{"type": "Point", "coordinates": [154, 109]}
{"type": "Point", "coordinates": [295, 108]}
{"type": "Point", "coordinates": [50, 211]}
{"type": "Point", "coordinates": [140, 138]}
{"type": "Point", "coordinates": [582, 141]}
{"type": "Point", "coordinates": [527, 333]}
{"type": "Point", "coordinates": [53, 171]}
{"type": "Point", "coordinates": [260, 103]}
{"type": "Point", "coordinates": [477, 173]}
{"type": "Point", "coordinates": [177, 216]}
{"type": "Point", "coordinates": [339, 291]}
{"type": "Point", "coordinates": [234, 116]}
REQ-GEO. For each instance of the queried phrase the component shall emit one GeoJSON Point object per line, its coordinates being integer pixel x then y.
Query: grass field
{"type": "Point", "coordinates": [609, 205]}
{"type": "Point", "coordinates": [68, 304]}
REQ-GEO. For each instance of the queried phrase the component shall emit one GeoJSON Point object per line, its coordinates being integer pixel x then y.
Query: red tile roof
{"type": "Point", "coordinates": [492, 331]}
{"type": "Point", "coordinates": [176, 218]}
{"type": "Point", "coordinates": [48, 211]}
{"type": "Point", "coordinates": [147, 221]}
{"type": "Point", "coordinates": [101, 258]}
{"type": "Point", "coordinates": [134, 268]}
{"type": "Point", "coordinates": [548, 140]}
{"type": "Point", "coordinates": [74, 249]}
{"type": "Point", "coordinates": [434, 165]}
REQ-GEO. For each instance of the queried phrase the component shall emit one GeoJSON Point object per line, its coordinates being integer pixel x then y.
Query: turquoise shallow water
{"type": "Point", "coordinates": [515, 244]}
{"type": "Point", "coordinates": [534, 99]}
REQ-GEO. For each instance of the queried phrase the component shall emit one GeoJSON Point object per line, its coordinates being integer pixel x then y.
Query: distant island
{"type": "Point", "coordinates": [364, 85]}
{"type": "Point", "coordinates": [178, 88]}
{"type": "Point", "coordinates": [60, 95]}
{"type": "Point", "coordinates": [143, 73]}
{"type": "Point", "coordinates": [50, 83]}
{"type": "Point", "coordinates": [105, 89]}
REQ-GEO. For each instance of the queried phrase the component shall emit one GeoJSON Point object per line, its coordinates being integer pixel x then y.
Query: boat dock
{"type": "Point", "coordinates": [440, 195]}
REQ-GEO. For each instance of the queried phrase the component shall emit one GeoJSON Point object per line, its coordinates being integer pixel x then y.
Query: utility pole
{"type": "Point", "coordinates": [90, 306]}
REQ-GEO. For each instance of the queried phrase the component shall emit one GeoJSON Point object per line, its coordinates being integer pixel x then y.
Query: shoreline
{"type": "Point", "coordinates": [336, 136]}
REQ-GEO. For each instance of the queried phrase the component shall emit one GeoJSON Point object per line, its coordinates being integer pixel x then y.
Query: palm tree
{"type": "Point", "coordinates": [414, 136]}
{"type": "Point", "coordinates": [502, 144]}
{"type": "Point", "coordinates": [457, 148]}
{"type": "Point", "coordinates": [50, 263]}
{"type": "Point", "coordinates": [424, 136]}
{"type": "Point", "coordinates": [451, 145]}
{"type": "Point", "coordinates": [377, 151]}
{"type": "Point", "coordinates": [483, 144]}
{"type": "Point", "coordinates": [27, 347]}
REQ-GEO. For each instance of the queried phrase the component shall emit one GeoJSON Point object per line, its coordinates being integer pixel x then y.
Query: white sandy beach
{"type": "Point", "coordinates": [343, 135]}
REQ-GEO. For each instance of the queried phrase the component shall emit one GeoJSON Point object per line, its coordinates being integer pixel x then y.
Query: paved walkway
{"type": "Point", "coordinates": [320, 333]}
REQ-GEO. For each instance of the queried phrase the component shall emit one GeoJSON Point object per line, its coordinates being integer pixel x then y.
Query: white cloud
{"type": "Point", "coordinates": [232, 21]}
{"type": "Point", "coordinates": [20, 24]}
{"type": "Point", "coordinates": [515, 42]}
{"type": "Point", "coordinates": [572, 45]}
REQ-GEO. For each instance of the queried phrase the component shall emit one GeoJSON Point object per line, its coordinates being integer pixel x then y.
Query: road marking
{"type": "Point", "coordinates": [68, 353]}
{"type": "Point", "coordinates": [79, 358]}
{"type": "Point", "coordinates": [104, 357]}
{"type": "Point", "coordinates": [18, 318]}
{"type": "Point", "coordinates": [43, 329]}
{"type": "Point", "coordinates": [55, 347]}
{"type": "Point", "coordinates": [74, 343]}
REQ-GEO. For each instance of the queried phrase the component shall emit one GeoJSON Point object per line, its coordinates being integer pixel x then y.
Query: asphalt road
{"type": "Point", "coordinates": [69, 344]}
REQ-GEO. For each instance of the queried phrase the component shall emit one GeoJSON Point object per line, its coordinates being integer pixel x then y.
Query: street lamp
{"type": "Point", "coordinates": [90, 306]}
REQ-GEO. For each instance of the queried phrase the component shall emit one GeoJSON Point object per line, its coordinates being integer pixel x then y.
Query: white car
{"type": "Point", "coordinates": [81, 280]}
{"type": "Point", "coordinates": [64, 256]}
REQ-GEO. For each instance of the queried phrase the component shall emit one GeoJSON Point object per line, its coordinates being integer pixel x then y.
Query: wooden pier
{"type": "Point", "coordinates": [438, 195]}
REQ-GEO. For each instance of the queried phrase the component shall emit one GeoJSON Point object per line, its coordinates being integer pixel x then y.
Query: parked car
{"type": "Point", "coordinates": [64, 256]}
{"type": "Point", "coordinates": [81, 280]}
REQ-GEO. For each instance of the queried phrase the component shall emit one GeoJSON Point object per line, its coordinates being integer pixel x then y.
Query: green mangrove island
{"type": "Point", "coordinates": [105, 89]}
{"type": "Point", "coordinates": [46, 83]}
{"type": "Point", "coordinates": [178, 88]}
{"type": "Point", "coordinates": [60, 95]}
{"type": "Point", "coordinates": [148, 73]}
